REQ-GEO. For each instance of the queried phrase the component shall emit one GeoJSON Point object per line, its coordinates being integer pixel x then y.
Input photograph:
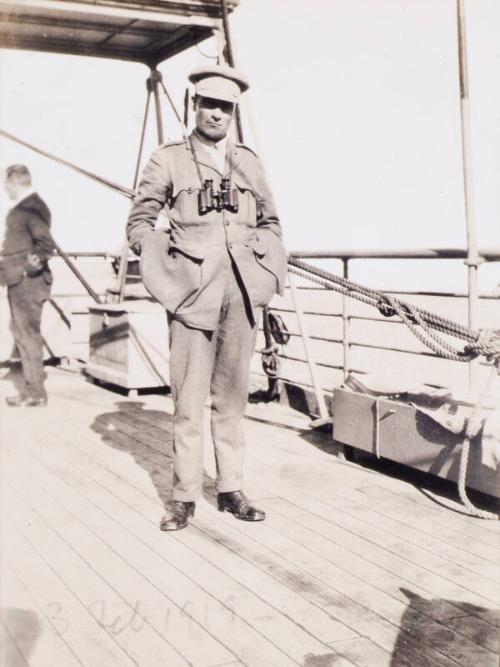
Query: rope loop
{"type": "Point", "coordinates": [271, 362]}
{"type": "Point", "coordinates": [474, 425]}
{"type": "Point", "coordinates": [384, 308]}
{"type": "Point", "coordinates": [278, 328]}
{"type": "Point", "coordinates": [486, 344]}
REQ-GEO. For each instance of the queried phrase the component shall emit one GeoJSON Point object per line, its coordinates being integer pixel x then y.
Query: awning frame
{"type": "Point", "coordinates": [145, 31]}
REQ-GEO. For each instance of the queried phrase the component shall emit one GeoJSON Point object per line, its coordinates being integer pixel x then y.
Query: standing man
{"type": "Point", "coordinates": [220, 262]}
{"type": "Point", "coordinates": [26, 248]}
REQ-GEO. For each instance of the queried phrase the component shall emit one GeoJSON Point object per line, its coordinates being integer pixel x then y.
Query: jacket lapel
{"type": "Point", "coordinates": [232, 158]}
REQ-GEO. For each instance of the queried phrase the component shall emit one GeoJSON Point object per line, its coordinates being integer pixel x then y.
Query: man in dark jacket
{"type": "Point", "coordinates": [26, 247]}
{"type": "Point", "coordinates": [220, 262]}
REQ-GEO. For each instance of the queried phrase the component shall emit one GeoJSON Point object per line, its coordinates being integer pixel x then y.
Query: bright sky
{"type": "Point", "coordinates": [356, 108]}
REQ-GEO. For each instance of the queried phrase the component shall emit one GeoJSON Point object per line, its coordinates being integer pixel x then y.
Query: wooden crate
{"type": "Point", "coordinates": [403, 433]}
{"type": "Point", "coordinates": [128, 344]}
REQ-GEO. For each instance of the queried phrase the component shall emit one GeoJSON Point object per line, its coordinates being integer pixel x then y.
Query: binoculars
{"type": "Point", "coordinates": [226, 197]}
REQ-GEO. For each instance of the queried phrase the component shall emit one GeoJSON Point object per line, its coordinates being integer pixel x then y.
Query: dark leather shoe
{"type": "Point", "coordinates": [36, 402]}
{"type": "Point", "coordinates": [177, 515]}
{"type": "Point", "coordinates": [19, 400]}
{"type": "Point", "coordinates": [16, 401]}
{"type": "Point", "coordinates": [238, 504]}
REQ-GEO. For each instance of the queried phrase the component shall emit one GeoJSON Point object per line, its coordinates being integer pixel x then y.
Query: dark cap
{"type": "Point", "coordinates": [219, 82]}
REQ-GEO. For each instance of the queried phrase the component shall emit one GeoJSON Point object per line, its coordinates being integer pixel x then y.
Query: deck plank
{"type": "Point", "coordinates": [372, 622]}
{"type": "Point", "coordinates": [335, 604]}
{"type": "Point", "coordinates": [341, 548]}
{"type": "Point", "coordinates": [160, 461]}
{"type": "Point", "coordinates": [351, 567]}
{"type": "Point", "coordinates": [416, 504]}
{"type": "Point", "coordinates": [367, 480]}
{"type": "Point", "coordinates": [38, 632]}
{"type": "Point", "coordinates": [455, 545]}
{"type": "Point", "coordinates": [365, 653]}
{"type": "Point", "coordinates": [155, 435]}
{"type": "Point", "coordinates": [156, 459]}
{"type": "Point", "coordinates": [418, 624]}
{"type": "Point", "coordinates": [219, 616]}
{"type": "Point", "coordinates": [89, 641]}
{"type": "Point", "coordinates": [241, 603]}
{"type": "Point", "coordinates": [282, 605]}
{"type": "Point", "coordinates": [122, 600]}
{"type": "Point", "coordinates": [10, 654]}
{"type": "Point", "coordinates": [427, 522]}
{"type": "Point", "coordinates": [121, 620]}
{"type": "Point", "coordinates": [456, 610]}
{"type": "Point", "coordinates": [366, 523]}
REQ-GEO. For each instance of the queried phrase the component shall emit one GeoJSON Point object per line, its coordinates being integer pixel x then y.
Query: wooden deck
{"type": "Point", "coordinates": [351, 567]}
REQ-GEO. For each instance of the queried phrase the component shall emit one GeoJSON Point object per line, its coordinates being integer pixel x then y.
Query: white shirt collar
{"type": "Point", "coordinates": [24, 195]}
{"type": "Point", "coordinates": [219, 146]}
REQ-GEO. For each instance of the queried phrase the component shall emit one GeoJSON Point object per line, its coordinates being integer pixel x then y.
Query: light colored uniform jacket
{"type": "Point", "coordinates": [184, 267]}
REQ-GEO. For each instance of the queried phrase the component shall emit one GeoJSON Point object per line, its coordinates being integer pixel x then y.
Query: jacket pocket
{"type": "Point", "coordinates": [48, 277]}
{"type": "Point", "coordinates": [260, 282]}
{"type": "Point", "coordinates": [13, 269]}
{"type": "Point", "coordinates": [193, 249]}
{"type": "Point", "coordinates": [258, 243]}
{"type": "Point", "coordinates": [270, 255]}
{"type": "Point", "coordinates": [170, 272]}
{"type": "Point", "coordinates": [184, 199]}
{"type": "Point", "coordinates": [247, 203]}
{"type": "Point", "coordinates": [184, 273]}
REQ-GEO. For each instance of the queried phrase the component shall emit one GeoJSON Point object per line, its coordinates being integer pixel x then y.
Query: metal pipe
{"type": "Point", "coordinates": [473, 259]}
{"type": "Point", "coordinates": [323, 411]}
{"type": "Point", "coordinates": [122, 271]}
{"type": "Point", "coordinates": [77, 273]}
{"type": "Point", "coordinates": [488, 254]}
{"type": "Point", "coordinates": [155, 80]}
{"type": "Point", "coordinates": [346, 324]}
{"type": "Point", "coordinates": [141, 140]}
{"type": "Point", "coordinates": [186, 107]}
{"type": "Point", "coordinates": [230, 60]}
{"type": "Point", "coordinates": [84, 172]}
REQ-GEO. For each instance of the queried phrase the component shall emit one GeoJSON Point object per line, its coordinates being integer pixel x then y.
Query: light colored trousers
{"type": "Point", "coordinates": [218, 362]}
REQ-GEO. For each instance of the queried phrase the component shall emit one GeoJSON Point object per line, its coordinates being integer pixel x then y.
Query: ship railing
{"type": "Point", "coordinates": [346, 336]}
{"type": "Point", "coordinates": [359, 339]}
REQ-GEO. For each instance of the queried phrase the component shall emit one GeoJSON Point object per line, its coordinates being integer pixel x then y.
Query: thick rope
{"type": "Point", "coordinates": [417, 325]}
{"type": "Point", "coordinates": [271, 361]}
{"type": "Point", "coordinates": [472, 428]}
{"type": "Point", "coordinates": [486, 342]}
{"type": "Point", "coordinates": [356, 289]}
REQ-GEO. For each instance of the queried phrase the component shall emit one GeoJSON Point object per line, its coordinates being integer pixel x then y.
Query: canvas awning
{"type": "Point", "coordinates": [147, 31]}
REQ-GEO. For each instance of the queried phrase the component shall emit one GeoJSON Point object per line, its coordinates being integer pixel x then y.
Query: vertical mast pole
{"type": "Point", "coordinates": [155, 83]}
{"type": "Point", "coordinates": [230, 61]}
{"type": "Point", "coordinates": [473, 259]}
{"type": "Point", "coordinates": [122, 271]}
